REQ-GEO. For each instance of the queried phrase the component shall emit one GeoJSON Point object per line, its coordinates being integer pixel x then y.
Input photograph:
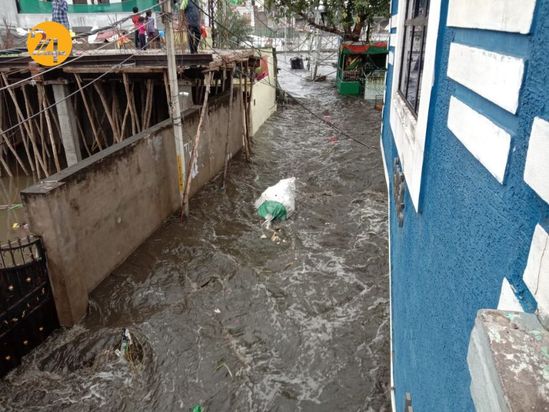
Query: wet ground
{"type": "Point", "coordinates": [233, 321]}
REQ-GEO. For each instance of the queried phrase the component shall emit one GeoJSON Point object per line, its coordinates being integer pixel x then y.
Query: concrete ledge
{"type": "Point", "coordinates": [509, 362]}
{"type": "Point", "coordinates": [94, 214]}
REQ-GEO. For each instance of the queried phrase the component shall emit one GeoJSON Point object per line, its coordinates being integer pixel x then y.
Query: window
{"type": "Point", "coordinates": [413, 52]}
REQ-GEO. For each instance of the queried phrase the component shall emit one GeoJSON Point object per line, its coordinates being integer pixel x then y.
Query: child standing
{"type": "Point", "coordinates": [151, 30]}
{"type": "Point", "coordinates": [142, 30]}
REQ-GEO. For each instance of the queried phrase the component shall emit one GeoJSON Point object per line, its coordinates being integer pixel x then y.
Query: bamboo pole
{"type": "Point", "coordinates": [37, 157]}
{"type": "Point", "coordinates": [247, 107]}
{"type": "Point", "coordinates": [116, 116]}
{"type": "Point", "coordinates": [242, 110]}
{"type": "Point", "coordinates": [249, 112]}
{"type": "Point", "coordinates": [21, 118]}
{"type": "Point", "coordinates": [81, 131]}
{"type": "Point", "coordinates": [167, 86]}
{"type": "Point", "coordinates": [227, 154]}
{"type": "Point", "coordinates": [194, 152]}
{"type": "Point", "coordinates": [88, 111]}
{"type": "Point", "coordinates": [125, 119]}
{"type": "Point", "coordinates": [105, 104]}
{"type": "Point", "coordinates": [44, 99]}
{"type": "Point", "coordinates": [131, 103]}
{"type": "Point", "coordinates": [148, 105]}
{"type": "Point", "coordinates": [3, 149]}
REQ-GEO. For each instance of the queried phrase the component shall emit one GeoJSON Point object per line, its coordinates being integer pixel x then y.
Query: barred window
{"type": "Point", "coordinates": [413, 50]}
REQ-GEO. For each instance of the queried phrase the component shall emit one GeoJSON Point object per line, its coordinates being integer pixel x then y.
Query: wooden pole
{"type": "Point", "coordinates": [194, 152]}
{"type": "Point", "coordinates": [81, 131]}
{"type": "Point", "coordinates": [44, 99]}
{"type": "Point", "coordinates": [247, 103]}
{"type": "Point", "coordinates": [105, 104]}
{"type": "Point", "coordinates": [148, 105]}
{"type": "Point", "coordinates": [88, 111]}
{"type": "Point", "coordinates": [227, 136]}
{"type": "Point", "coordinates": [115, 112]}
{"type": "Point", "coordinates": [136, 128]}
{"type": "Point", "coordinates": [37, 157]}
{"type": "Point", "coordinates": [243, 111]}
{"type": "Point", "coordinates": [22, 119]}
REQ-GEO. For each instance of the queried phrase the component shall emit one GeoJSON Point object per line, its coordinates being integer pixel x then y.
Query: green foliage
{"type": "Point", "coordinates": [346, 18]}
{"type": "Point", "coordinates": [232, 29]}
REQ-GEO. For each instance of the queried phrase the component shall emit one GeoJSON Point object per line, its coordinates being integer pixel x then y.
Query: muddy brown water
{"type": "Point", "coordinates": [230, 320]}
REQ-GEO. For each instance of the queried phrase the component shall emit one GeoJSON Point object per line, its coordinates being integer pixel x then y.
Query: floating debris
{"type": "Point", "coordinates": [277, 202]}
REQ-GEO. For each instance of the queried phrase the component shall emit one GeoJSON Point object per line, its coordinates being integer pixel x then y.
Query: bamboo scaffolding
{"type": "Point", "coordinates": [227, 154]}
{"type": "Point", "coordinates": [194, 152]}
{"type": "Point", "coordinates": [105, 103]}
{"type": "Point", "coordinates": [88, 111]}
{"type": "Point", "coordinates": [39, 160]}
{"type": "Point", "coordinates": [243, 112]}
{"type": "Point", "coordinates": [148, 104]}
{"type": "Point", "coordinates": [136, 128]}
{"type": "Point", "coordinates": [44, 99]}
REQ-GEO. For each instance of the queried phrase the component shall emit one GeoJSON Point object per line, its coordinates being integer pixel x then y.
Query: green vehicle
{"type": "Point", "coordinates": [356, 61]}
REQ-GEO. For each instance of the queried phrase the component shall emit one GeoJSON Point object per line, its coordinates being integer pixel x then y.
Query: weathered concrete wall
{"type": "Point", "coordinates": [93, 215]}
{"type": "Point", "coordinates": [263, 102]}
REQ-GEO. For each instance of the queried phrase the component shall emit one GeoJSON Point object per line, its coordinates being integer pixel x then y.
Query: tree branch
{"type": "Point", "coordinates": [322, 27]}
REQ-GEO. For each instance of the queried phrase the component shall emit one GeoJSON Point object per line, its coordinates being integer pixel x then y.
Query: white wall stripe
{"type": "Point", "coordinates": [393, 40]}
{"type": "Point", "coordinates": [486, 141]}
{"type": "Point", "coordinates": [501, 15]}
{"type": "Point", "coordinates": [507, 298]}
{"type": "Point", "coordinates": [537, 159]}
{"type": "Point", "coordinates": [537, 258]}
{"type": "Point", "coordinates": [536, 274]}
{"type": "Point", "coordinates": [394, 21]}
{"type": "Point", "coordinates": [495, 76]}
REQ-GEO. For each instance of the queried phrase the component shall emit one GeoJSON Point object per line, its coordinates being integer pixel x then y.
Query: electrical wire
{"type": "Point", "coordinates": [113, 25]}
{"type": "Point", "coordinates": [66, 62]}
{"type": "Point", "coordinates": [328, 123]}
{"type": "Point", "coordinates": [118, 65]}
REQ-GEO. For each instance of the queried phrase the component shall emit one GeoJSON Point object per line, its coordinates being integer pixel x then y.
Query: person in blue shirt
{"type": "Point", "coordinates": [192, 17]}
{"type": "Point", "coordinates": [59, 11]}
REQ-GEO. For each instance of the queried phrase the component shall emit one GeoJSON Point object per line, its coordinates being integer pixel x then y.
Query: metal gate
{"type": "Point", "coordinates": [27, 309]}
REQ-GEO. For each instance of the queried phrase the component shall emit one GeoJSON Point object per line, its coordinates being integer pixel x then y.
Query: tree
{"type": "Point", "coordinates": [346, 18]}
{"type": "Point", "coordinates": [232, 29]}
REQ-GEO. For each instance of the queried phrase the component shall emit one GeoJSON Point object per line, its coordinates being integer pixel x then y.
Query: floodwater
{"type": "Point", "coordinates": [232, 321]}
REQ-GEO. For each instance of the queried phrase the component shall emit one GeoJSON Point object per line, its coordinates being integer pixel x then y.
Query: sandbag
{"type": "Point", "coordinates": [277, 202]}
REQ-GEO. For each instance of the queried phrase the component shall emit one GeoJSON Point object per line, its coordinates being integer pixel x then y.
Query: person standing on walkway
{"type": "Point", "coordinates": [192, 17]}
{"type": "Point", "coordinates": [59, 12]}
{"type": "Point", "coordinates": [142, 30]}
{"type": "Point", "coordinates": [152, 33]}
{"type": "Point", "coordinates": [135, 21]}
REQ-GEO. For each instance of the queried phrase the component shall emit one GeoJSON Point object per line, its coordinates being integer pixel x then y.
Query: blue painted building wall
{"type": "Point", "coordinates": [449, 259]}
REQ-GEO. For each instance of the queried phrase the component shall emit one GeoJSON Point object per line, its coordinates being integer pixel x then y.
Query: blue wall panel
{"type": "Point", "coordinates": [449, 260]}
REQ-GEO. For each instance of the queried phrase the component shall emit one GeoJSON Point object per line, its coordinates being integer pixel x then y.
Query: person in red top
{"type": "Point", "coordinates": [142, 30]}
{"type": "Point", "coordinates": [135, 21]}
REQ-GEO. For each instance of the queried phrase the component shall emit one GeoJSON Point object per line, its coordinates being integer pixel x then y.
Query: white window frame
{"type": "Point", "coordinates": [410, 132]}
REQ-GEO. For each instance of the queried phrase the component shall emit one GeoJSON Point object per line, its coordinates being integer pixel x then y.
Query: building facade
{"type": "Point", "coordinates": [465, 140]}
{"type": "Point", "coordinates": [27, 13]}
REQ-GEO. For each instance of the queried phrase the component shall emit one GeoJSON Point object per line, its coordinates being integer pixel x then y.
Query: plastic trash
{"type": "Point", "coordinates": [125, 344]}
{"type": "Point", "coordinates": [197, 408]}
{"type": "Point", "coordinates": [278, 201]}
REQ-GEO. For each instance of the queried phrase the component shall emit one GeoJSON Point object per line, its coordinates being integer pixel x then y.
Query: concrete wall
{"type": "Point", "coordinates": [93, 215]}
{"type": "Point", "coordinates": [263, 103]}
{"type": "Point", "coordinates": [474, 227]}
